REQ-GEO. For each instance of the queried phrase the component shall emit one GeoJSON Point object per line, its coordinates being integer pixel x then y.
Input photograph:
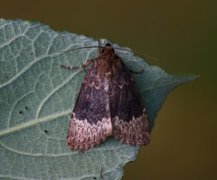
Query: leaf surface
{"type": "Point", "coordinates": [37, 96]}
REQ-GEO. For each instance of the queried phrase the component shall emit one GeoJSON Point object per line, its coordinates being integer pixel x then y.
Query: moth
{"type": "Point", "coordinates": [108, 104]}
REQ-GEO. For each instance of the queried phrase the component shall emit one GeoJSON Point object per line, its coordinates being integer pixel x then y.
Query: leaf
{"type": "Point", "coordinates": [37, 96]}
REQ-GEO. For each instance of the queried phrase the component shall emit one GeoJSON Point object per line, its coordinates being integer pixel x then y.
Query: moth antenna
{"type": "Point", "coordinates": [116, 48]}
{"type": "Point", "coordinates": [75, 49]}
{"type": "Point", "coordinates": [99, 47]}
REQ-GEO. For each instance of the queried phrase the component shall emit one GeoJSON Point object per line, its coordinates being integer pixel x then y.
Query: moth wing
{"type": "Point", "coordinates": [129, 120]}
{"type": "Point", "coordinates": [90, 122]}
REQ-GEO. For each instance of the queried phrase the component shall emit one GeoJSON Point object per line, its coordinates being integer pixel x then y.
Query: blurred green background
{"type": "Point", "coordinates": [181, 36]}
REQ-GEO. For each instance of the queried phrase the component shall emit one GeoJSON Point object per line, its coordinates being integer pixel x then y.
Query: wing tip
{"type": "Point", "coordinates": [134, 132]}
{"type": "Point", "coordinates": [83, 135]}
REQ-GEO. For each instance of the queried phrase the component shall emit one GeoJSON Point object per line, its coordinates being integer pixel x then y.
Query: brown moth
{"type": "Point", "coordinates": [108, 104]}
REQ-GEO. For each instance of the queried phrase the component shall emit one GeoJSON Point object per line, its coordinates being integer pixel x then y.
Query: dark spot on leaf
{"type": "Point", "coordinates": [26, 107]}
{"type": "Point", "coordinates": [20, 112]}
{"type": "Point", "coordinates": [94, 177]}
{"type": "Point", "coordinates": [45, 131]}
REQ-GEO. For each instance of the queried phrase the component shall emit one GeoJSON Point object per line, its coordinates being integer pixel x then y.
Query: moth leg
{"type": "Point", "coordinates": [73, 68]}
{"type": "Point", "coordinates": [136, 72]}
{"type": "Point", "coordinates": [87, 63]}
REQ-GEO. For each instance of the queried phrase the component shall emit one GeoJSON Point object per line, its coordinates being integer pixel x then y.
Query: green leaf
{"type": "Point", "coordinates": [37, 96]}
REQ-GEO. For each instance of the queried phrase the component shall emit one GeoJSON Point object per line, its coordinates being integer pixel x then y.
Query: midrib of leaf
{"type": "Point", "coordinates": [34, 122]}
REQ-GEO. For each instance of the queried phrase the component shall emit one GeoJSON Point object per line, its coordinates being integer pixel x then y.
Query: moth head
{"type": "Point", "coordinates": [108, 45]}
{"type": "Point", "coordinates": [107, 49]}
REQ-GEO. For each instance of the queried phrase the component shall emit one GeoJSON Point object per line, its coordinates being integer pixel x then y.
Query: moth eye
{"type": "Point", "coordinates": [108, 45]}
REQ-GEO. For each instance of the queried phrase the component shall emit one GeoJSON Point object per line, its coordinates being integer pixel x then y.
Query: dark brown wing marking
{"type": "Point", "coordinates": [91, 121]}
{"type": "Point", "coordinates": [129, 121]}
